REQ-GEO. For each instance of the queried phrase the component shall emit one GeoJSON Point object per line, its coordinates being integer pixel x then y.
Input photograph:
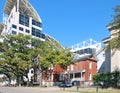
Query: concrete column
{"type": "Point", "coordinates": [81, 79]}
{"type": "Point", "coordinates": [81, 76]}
{"type": "Point", "coordinates": [18, 5]}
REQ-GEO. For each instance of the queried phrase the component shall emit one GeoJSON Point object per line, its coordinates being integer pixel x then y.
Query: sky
{"type": "Point", "coordinates": [74, 21]}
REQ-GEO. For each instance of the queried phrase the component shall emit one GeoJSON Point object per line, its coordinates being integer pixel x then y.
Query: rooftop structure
{"type": "Point", "coordinates": [86, 47]}
{"type": "Point", "coordinates": [23, 6]}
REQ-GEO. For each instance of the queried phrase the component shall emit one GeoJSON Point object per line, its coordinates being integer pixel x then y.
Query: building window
{"type": "Point", "coordinates": [14, 32]}
{"type": "Point", "coordinates": [61, 77]}
{"type": "Point", "coordinates": [36, 32]}
{"type": "Point", "coordinates": [20, 28]}
{"type": "Point", "coordinates": [24, 20]}
{"type": "Point", "coordinates": [14, 26]}
{"type": "Point", "coordinates": [72, 67]}
{"type": "Point", "coordinates": [87, 51]}
{"type": "Point", "coordinates": [90, 76]}
{"type": "Point", "coordinates": [43, 36]}
{"type": "Point", "coordinates": [36, 23]}
{"type": "Point", "coordinates": [90, 65]}
{"type": "Point", "coordinates": [33, 31]}
{"type": "Point", "coordinates": [27, 31]}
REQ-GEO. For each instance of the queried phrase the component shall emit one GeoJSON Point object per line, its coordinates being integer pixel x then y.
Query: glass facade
{"type": "Point", "coordinates": [24, 20]}
{"type": "Point", "coordinates": [21, 29]}
{"type": "Point", "coordinates": [14, 32]}
{"type": "Point", "coordinates": [43, 36]}
{"type": "Point", "coordinates": [14, 26]}
{"type": "Point", "coordinates": [87, 51]}
{"type": "Point", "coordinates": [37, 33]}
{"type": "Point", "coordinates": [34, 22]}
{"type": "Point", "coordinates": [27, 31]}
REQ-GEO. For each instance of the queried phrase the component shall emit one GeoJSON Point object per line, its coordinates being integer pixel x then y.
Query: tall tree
{"type": "Point", "coordinates": [18, 52]}
{"type": "Point", "coordinates": [16, 58]}
{"type": "Point", "coordinates": [52, 53]}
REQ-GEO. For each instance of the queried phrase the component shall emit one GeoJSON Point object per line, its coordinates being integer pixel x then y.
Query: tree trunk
{"type": "Point", "coordinates": [19, 80]}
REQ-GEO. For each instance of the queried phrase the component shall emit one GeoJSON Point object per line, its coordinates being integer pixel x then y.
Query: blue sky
{"type": "Point", "coordinates": [73, 21]}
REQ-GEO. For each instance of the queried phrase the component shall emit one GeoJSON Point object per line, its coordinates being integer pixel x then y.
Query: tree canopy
{"type": "Point", "coordinates": [19, 52]}
{"type": "Point", "coordinates": [106, 80]}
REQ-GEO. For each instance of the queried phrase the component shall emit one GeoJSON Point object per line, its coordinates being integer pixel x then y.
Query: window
{"type": "Point", "coordinates": [43, 36]}
{"type": "Point", "coordinates": [90, 65]}
{"type": "Point", "coordinates": [33, 31]}
{"type": "Point", "coordinates": [36, 32]}
{"type": "Point", "coordinates": [34, 22]}
{"type": "Point", "coordinates": [14, 32]}
{"type": "Point", "coordinates": [27, 31]}
{"type": "Point", "coordinates": [24, 20]}
{"type": "Point", "coordinates": [90, 76]}
{"type": "Point", "coordinates": [20, 28]}
{"type": "Point", "coordinates": [14, 26]}
{"type": "Point", "coordinates": [72, 67]}
{"type": "Point", "coordinates": [61, 76]}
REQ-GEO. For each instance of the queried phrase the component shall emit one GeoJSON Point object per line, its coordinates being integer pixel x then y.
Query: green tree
{"type": "Point", "coordinates": [19, 52]}
{"type": "Point", "coordinates": [115, 78]}
{"type": "Point", "coordinates": [106, 80]}
{"type": "Point", "coordinates": [51, 53]}
{"type": "Point", "coordinates": [16, 56]}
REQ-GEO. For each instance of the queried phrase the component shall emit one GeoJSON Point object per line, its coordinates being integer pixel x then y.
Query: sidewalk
{"type": "Point", "coordinates": [55, 90]}
{"type": "Point", "coordinates": [34, 90]}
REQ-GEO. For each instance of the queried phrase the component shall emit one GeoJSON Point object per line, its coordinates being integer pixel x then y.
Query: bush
{"type": "Point", "coordinates": [108, 79]}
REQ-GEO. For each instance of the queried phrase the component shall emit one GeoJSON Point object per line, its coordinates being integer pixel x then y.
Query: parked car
{"type": "Point", "coordinates": [65, 84]}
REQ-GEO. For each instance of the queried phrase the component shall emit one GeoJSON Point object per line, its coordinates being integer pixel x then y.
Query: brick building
{"type": "Point", "coordinates": [80, 73]}
{"type": "Point", "coordinates": [83, 70]}
{"type": "Point", "coordinates": [52, 76]}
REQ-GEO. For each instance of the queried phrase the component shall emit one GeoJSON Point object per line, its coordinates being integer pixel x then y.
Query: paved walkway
{"type": "Point", "coordinates": [32, 90]}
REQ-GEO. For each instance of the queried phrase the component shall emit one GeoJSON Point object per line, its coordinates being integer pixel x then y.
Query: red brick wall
{"type": "Point", "coordinates": [81, 65]}
{"type": "Point", "coordinates": [57, 69]}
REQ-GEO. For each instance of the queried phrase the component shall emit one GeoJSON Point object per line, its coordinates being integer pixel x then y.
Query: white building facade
{"type": "Point", "coordinates": [112, 58]}
{"type": "Point", "coordinates": [20, 18]}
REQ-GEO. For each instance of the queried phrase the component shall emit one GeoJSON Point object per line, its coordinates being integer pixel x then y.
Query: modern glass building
{"type": "Point", "coordinates": [20, 17]}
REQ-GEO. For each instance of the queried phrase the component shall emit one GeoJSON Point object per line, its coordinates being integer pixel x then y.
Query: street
{"type": "Point", "coordinates": [26, 90]}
